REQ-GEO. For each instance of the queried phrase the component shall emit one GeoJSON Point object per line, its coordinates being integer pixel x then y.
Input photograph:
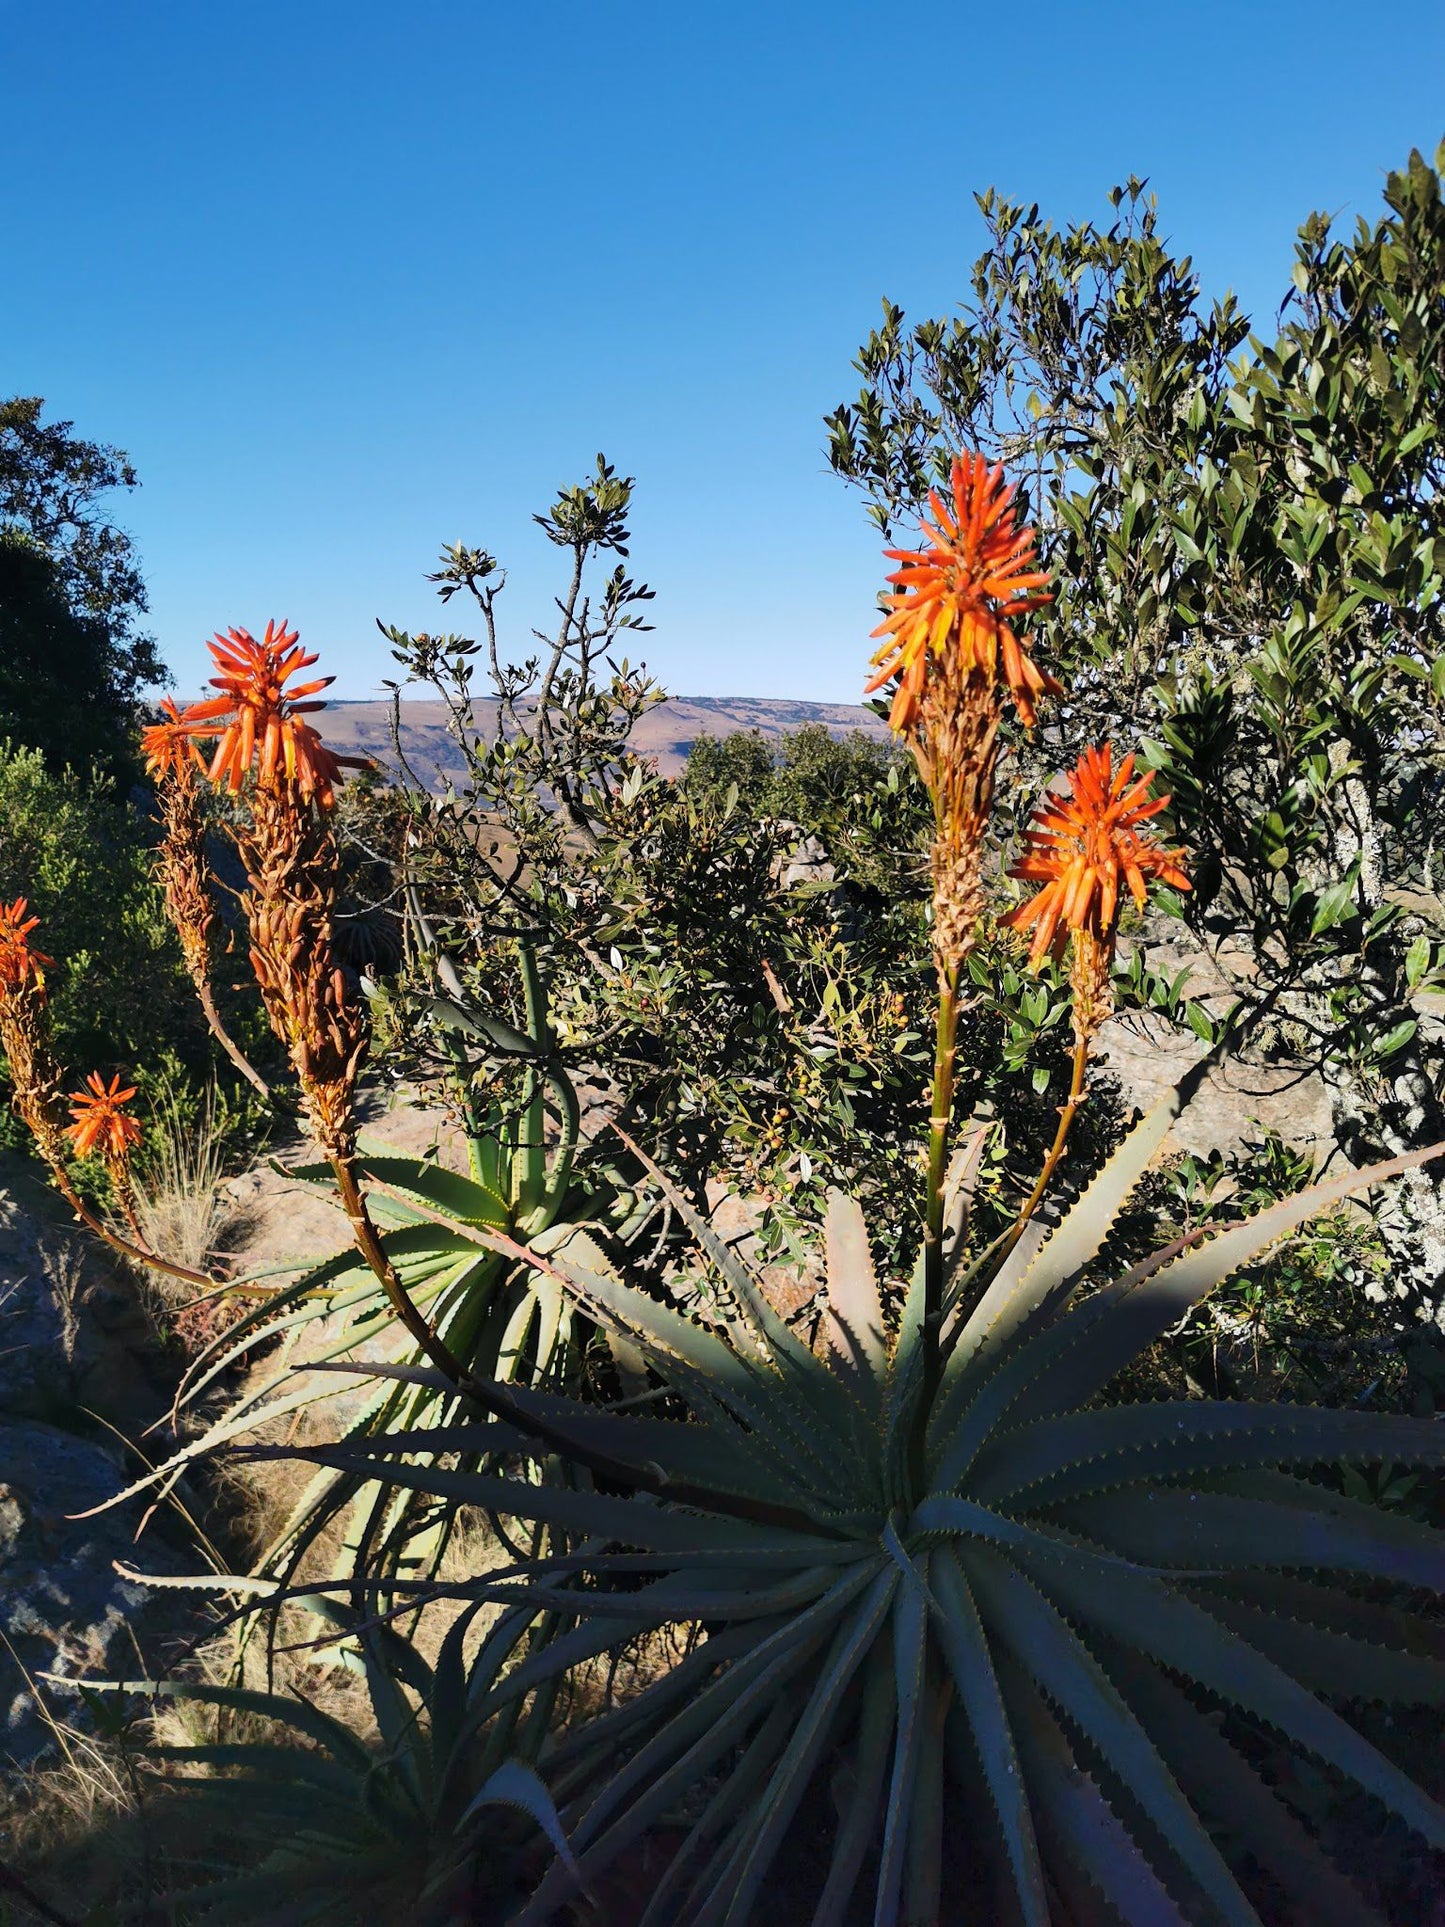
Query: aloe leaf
{"type": "Point", "coordinates": [1091, 1451]}
{"type": "Point", "coordinates": [1328, 1605]}
{"type": "Point", "coordinates": [632, 1521]}
{"type": "Point", "coordinates": [1162, 1526]}
{"type": "Point", "coordinates": [316, 1773]}
{"type": "Point", "coordinates": [857, 1824]}
{"type": "Point", "coordinates": [1078, 1822]}
{"type": "Point", "coordinates": [574, 1761]}
{"type": "Point", "coordinates": [965, 1648]}
{"type": "Point", "coordinates": [1331, 1663]}
{"type": "Point", "coordinates": [777, 1804]}
{"type": "Point", "coordinates": [432, 1184]}
{"type": "Point", "coordinates": [740, 1281]}
{"type": "Point", "coordinates": [661, 1770]}
{"type": "Point", "coordinates": [1071, 1360]}
{"type": "Point", "coordinates": [959, 1185]}
{"type": "Point", "coordinates": [1080, 1235]}
{"type": "Point", "coordinates": [721, 1814]}
{"type": "Point", "coordinates": [910, 1673]}
{"type": "Point", "coordinates": [713, 1718]}
{"type": "Point", "coordinates": [1101, 1337]}
{"type": "Point", "coordinates": [338, 1740]}
{"type": "Point", "coordinates": [725, 1460]}
{"type": "Point", "coordinates": [1227, 1789]}
{"type": "Point", "coordinates": [482, 1026]}
{"type": "Point", "coordinates": [854, 1327]}
{"type": "Point", "coordinates": [960, 1367]}
{"type": "Point", "coordinates": [515, 1784]}
{"type": "Point", "coordinates": [1142, 1612]}
{"type": "Point", "coordinates": [797, 1433]}
{"type": "Point", "coordinates": [1040, 1639]}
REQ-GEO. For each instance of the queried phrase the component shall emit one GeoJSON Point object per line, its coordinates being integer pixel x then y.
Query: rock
{"type": "Point", "coordinates": [1238, 1101]}
{"type": "Point", "coordinates": [73, 1333]}
{"type": "Point", "coordinates": [63, 1607]}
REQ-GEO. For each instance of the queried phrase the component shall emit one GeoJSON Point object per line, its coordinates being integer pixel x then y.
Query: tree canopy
{"type": "Point", "coordinates": [73, 661]}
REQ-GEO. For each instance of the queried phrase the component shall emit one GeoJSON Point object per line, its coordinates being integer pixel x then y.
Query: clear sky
{"type": "Point", "coordinates": [353, 280]}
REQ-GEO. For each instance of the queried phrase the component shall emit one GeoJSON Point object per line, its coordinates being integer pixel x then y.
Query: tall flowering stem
{"type": "Point", "coordinates": [178, 768]}
{"type": "Point", "coordinates": [1083, 842]}
{"type": "Point", "coordinates": [290, 857]}
{"type": "Point", "coordinates": [953, 656]}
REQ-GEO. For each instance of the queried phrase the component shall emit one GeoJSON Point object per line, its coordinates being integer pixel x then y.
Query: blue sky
{"type": "Point", "coordinates": [352, 280]}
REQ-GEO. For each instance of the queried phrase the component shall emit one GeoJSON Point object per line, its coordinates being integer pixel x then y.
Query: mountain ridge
{"type": "Point", "coordinates": [665, 733]}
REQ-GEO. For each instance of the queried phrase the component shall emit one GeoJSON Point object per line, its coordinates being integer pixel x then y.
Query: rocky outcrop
{"type": "Point", "coordinates": [77, 1351]}
{"type": "Point", "coordinates": [64, 1609]}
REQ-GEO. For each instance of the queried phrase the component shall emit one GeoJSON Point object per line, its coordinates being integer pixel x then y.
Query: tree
{"type": "Point", "coordinates": [1248, 549]}
{"type": "Point", "coordinates": [71, 591]}
{"type": "Point", "coordinates": [56, 694]}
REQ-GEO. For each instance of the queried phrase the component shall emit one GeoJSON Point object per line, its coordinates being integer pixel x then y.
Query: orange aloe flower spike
{"type": "Point", "coordinates": [102, 1124]}
{"type": "Point", "coordinates": [19, 963]}
{"type": "Point", "coordinates": [168, 746]}
{"type": "Point", "coordinates": [1080, 844]}
{"type": "Point", "coordinates": [975, 577]}
{"type": "Point", "coordinates": [257, 710]}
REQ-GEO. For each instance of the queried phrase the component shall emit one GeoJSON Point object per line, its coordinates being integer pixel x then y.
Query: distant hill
{"type": "Point", "coordinates": [666, 733]}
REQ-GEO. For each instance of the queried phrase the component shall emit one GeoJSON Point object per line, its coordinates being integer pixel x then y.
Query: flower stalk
{"type": "Point", "coordinates": [951, 652]}
{"type": "Point", "coordinates": [183, 872]}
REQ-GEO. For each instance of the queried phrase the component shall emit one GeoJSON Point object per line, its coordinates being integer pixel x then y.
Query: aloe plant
{"type": "Point", "coordinates": [432, 1820]}
{"type": "Point", "coordinates": [1025, 1664]}
{"type": "Point", "coordinates": [503, 1321]}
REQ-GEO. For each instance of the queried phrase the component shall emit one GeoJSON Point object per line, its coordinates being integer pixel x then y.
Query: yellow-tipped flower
{"type": "Point", "coordinates": [19, 964]}
{"type": "Point", "coordinates": [961, 592]}
{"type": "Point", "coordinates": [1082, 845]}
{"type": "Point", "coordinates": [103, 1127]}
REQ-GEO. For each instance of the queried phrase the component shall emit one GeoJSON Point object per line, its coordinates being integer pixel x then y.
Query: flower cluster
{"type": "Point", "coordinates": [1081, 845]}
{"type": "Point", "coordinates": [176, 763]}
{"type": "Point", "coordinates": [21, 967]}
{"type": "Point", "coordinates": [959, 595]}
{"type": "Point", "coordinates": [34, 1073]}
{"type": "Point", "coordinates": [256, 712]}
{"type": "Point", "coordinates": [952, 650]}
{"type": "Point", "coordinates": [288, 851]}
{"type": "Point", "coordinates": [103, 1127]}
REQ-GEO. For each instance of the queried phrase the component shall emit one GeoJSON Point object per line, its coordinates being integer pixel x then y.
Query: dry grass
{"type": "Point", "coordinates": [181, 1181]}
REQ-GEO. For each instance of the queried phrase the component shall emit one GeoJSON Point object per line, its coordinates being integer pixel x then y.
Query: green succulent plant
{"type": "Point", "coordinates": [1022, 1666]}
{"type": "Point", "coordinates": [434, 1820]}
{"type": "Point", "coordinates": [500, 1321]}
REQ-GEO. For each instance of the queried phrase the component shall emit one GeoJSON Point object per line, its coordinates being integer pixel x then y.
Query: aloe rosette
{"type": "Point", "coordinates": [502, 1321]}
{"type": "Point", "coordinates": [1028, 1658]}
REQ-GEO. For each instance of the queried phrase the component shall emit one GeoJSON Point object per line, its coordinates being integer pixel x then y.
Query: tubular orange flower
{"type": "Point", "coordinates": [257, 711]}
{"type": "Point", "coordinates": [19, 964]}
{"type": "Point", "coordinates": [168, 747]}
{"type": "Point", "coordinates": [961, 592]}
{"type": "Point", "coordinates": [102, 1123]}
{"type": "Point", "coordinates": [1080, 845]}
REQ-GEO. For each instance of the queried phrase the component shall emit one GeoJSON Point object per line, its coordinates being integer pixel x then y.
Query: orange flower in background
{"type": "Point", "coordinates": [102, 1123]}
{"type": "Point", "coordinates": [168, 747]}
{"type": "Point", "coordinates": [19, 964]}
{"type": "Point", "coordinates": [961, 592]}
{"type": "Point", "coordinates": [257, 711]}
{"type": "Point", "coordinates": [1080, 846]}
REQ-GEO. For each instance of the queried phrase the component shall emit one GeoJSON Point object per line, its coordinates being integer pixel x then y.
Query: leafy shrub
{"type": "Point", "coordinates": [82, 857]}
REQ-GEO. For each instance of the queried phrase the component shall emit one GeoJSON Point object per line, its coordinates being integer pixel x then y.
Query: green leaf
{"type": "Point", "coordinates": [1048, 1651]}
{"type": "Point", "coordinates": [1067, 1456]}
{"type": "Point", "coordinates": [433, 1184]}
{"type": "Point", "coordinates": [970, 1662]}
